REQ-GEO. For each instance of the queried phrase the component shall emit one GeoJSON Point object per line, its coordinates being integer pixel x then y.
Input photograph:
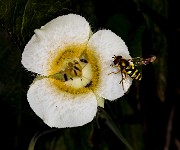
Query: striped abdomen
{"type": "Point", "coordinates": [133, 72]}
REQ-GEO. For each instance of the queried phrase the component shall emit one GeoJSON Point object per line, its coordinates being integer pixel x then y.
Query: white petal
{"type": "Point", "coordinates": [107, 44]}
{"type": "Point", "coordinates": [110, 87]}
{"type": "Point", "coordinates": [60, 109]}
{"type": "Point", "coordinates": [50, 39]}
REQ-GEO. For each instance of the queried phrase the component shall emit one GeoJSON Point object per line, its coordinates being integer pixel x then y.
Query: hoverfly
{"type": "Point", "coordinates": [129, 66]}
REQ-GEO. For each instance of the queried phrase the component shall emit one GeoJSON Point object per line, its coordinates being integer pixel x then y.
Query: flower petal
{"type": "Point", "coordinates": [107, 44]}
{"type": "Point", "coordinates": [52, 38]}
{"type": "Point", "coordinates": [60, 109]}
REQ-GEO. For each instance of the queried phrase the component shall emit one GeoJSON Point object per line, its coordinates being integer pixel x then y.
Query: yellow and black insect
{"type": "Point", "coordinates": [129, 66]}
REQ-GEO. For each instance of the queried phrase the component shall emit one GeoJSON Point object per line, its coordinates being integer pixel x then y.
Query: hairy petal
{"type": "Point", "coordinates": [60, 109]}
{"type": "Point", "coordinates": [50, 39]}
{"type": "Point", "coordinates": [107, 44]}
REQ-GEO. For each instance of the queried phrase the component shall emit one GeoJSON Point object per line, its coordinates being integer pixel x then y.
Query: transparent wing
{"type": "Point", "coordinates": [138, 61]}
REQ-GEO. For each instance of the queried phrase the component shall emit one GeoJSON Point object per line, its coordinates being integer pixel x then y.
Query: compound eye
{"type": "Point", "coordinates": [116, 61]}
{"type": "Point", "coordinates": [119, 57]}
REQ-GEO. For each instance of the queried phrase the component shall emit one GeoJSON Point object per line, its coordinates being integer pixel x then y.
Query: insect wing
{"type": "Point", "coordinates": [138, 61]}
{"type": "Point", "coordinates": [148, 60]}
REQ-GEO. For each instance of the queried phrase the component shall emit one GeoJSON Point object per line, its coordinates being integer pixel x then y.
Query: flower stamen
{"type": "Point", "coordinates": [78, 73]}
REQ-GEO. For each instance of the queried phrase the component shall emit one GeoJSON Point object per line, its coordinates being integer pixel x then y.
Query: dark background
{"type": "Point", "coordinates": [147, 116]}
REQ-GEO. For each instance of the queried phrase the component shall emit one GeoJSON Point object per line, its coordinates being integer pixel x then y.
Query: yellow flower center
{"type": "Point", "coordinates": [75, 70]}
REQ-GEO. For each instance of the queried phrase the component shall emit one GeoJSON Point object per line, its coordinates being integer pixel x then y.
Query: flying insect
{"type": "Point", "coordinates": [129, 66]}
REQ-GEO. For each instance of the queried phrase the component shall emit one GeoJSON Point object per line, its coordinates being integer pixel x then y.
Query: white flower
{"type": "Point", "coordinates": [74, 69]}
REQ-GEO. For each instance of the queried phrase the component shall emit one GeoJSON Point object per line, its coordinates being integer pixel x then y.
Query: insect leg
{"type": "Point", "coordinates": [114, 72]}
{"type": "Point", "coordinates": [123, 74]}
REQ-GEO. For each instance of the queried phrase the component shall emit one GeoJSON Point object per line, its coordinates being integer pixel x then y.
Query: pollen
{"type": "Point", "coordinates": [64, 56]}
{"type": "Point", "coordinates": [75, 70]}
